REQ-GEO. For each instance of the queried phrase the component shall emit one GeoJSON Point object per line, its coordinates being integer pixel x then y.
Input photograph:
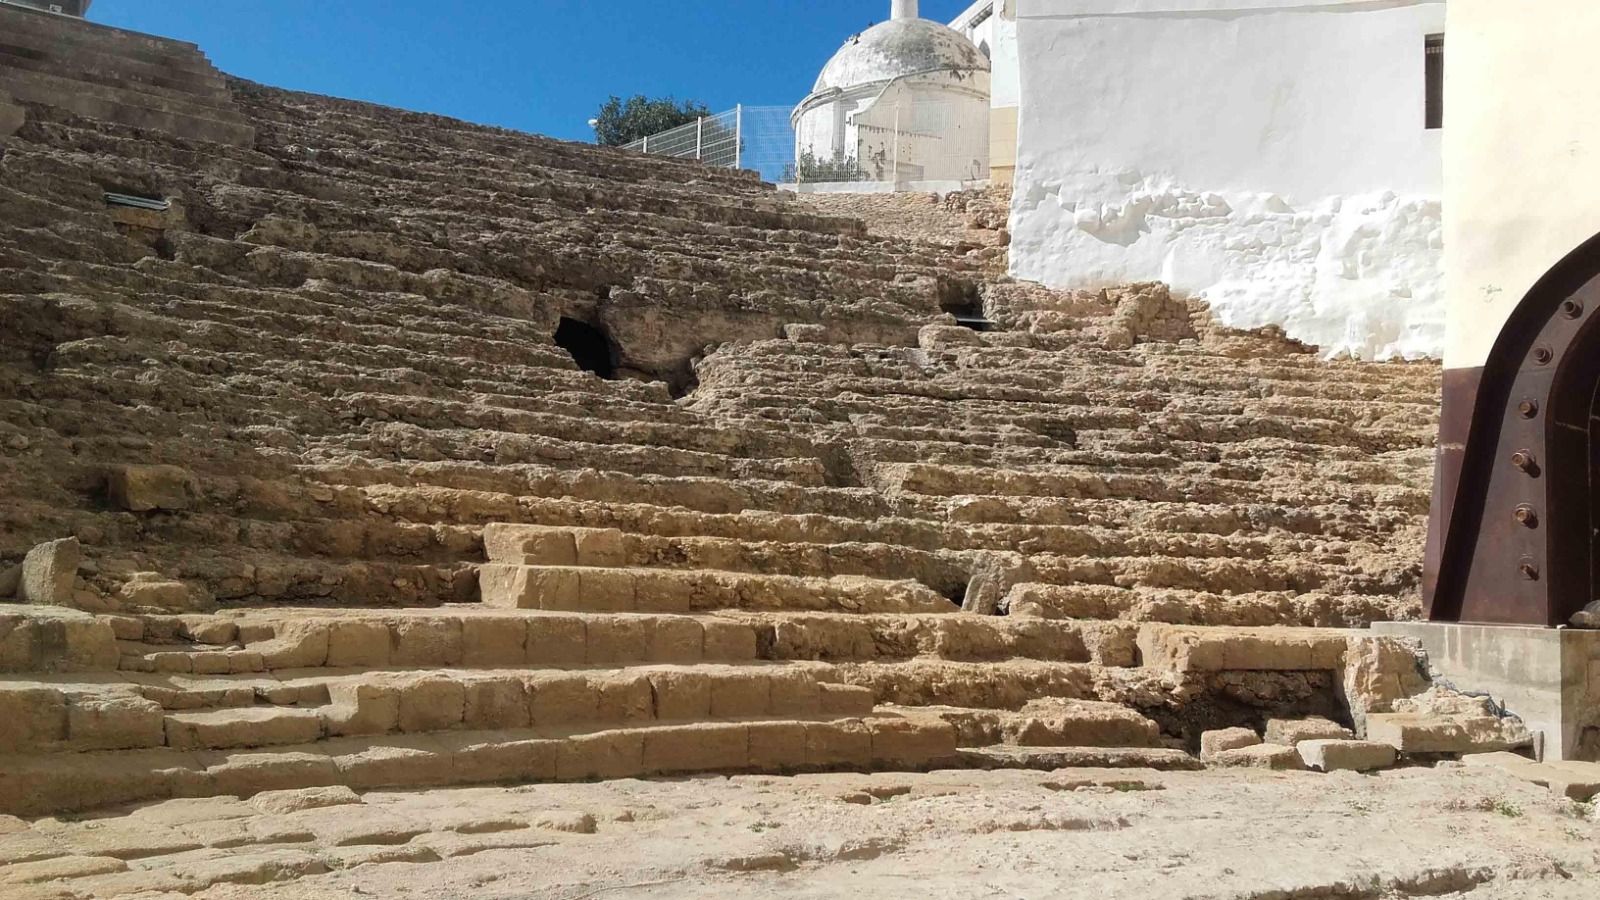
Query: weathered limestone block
{"type": "Point", "coordinates": [897, 742]}
{"type": "Point", "coordinates": [432, 703]}
{"type": "Point", "coordinates": [283, 802]}
{"type": "Point", "coordinates": [802, 333]}
{"type": "Point", "coordinates": [559, 700]}
{"type": "Point", "coordinates": [1290, 732]}
{"type": "Point", "coordinates": [617, 640]}
{"type": "Point", "coordinates": [494, 641]}
{"type": "Point", "coordinates": [1189, 649]}
{"type": "Point", "coordinates": [1053, 722]}
{"type": "Point", "coordinates": [530, 545]}
{"type": "Point", "coordinates": [938, 337]}
{"type": "Point", "coordinates": [12, 115]}
{"type": "Point", "coordinates": [845, 743]}
{"type": "Point", "coordinates": [425, 643]}
{"type": "Point", "coordinates": [1426, 733]}
{"type": "Point", "coordinates": [624, 699]}
{"type": "Point", "coordinates": [494, 704]}
{"type": "Point", "coordinates": [557, 641]}
{"type": "Point", "coordinates": [605, 754]}
{"type": "Point", "coordinates": [528, 587]}
{"type": "Point", "coordinates": [10, 581]}
{"type": "Point", "coordinates": [361, 707]}
{"type": "Point", "coordinates": [356, 643]}
{"type": "Point", "coordinates": [1380, 671]}
{"type": "Point", "coordinates": [475, 760]}
{"type": "Point", "coordinates": [398, 762]}
{"type": "Point", "coordinates": [992, 580]}
{"type": "Point", "coordinates": [1347, 755]}
{"type": "Point", "coordinates": [297, 645]}
{"type": "Point", "coordinates": [1259, 756]}
{"type": "Point", "coordinates": [247, 727]}
{"type": "Point", "coordinates": [35, 718]}
{"type": "Point", "coordinates": [777, 746]}
{"type": "Point", "coordinates": [114, 723]}
{"type": "Point", "coordinates": [729, 642]}
{"type": "Point", "coordinates": [740, 694]}
{"type": "Point", "coordinates": [150, 488]}
{"type": "Point", "coordinates": [152, 591]}
{"type": "Point", "coordinates": [698, 747]}
{"type": "Point", "coordinates": [1224, 739]}
{"type": "Point", "coordinates": [50, 571]}
{"type": "Point", "coordinates": [52, 639]}
{"type": "Point", "coordinates": [681, 695]}
{"type": "Point", "coordinates": [845, 699]}
{"type": "Point", "coordinates": [1579, 781]}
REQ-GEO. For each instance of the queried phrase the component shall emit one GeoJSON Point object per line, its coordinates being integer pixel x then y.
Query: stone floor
{"type": "Point", "coordinates": [1240, 835]}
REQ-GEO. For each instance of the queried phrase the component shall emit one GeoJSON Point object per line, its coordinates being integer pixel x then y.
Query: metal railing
{"type": "Point", "coordinates": [896, 142]}
{"type": "Point", "coordinates": [745, 137]}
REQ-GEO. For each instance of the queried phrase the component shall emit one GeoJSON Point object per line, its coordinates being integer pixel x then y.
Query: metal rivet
{"type": "Point", "coordinates": [1528, 569]}
{"type": "Point", "coordinates": [1542, 355]}
{"type": "Point", "coordinates": [1528, 409]}
{"type": "Point", "coordinates": [1571, 309]}
{"type": "Point", "coordinates": [1525, 516]}
{"type": "Point", "coordinates": [1523, 459]}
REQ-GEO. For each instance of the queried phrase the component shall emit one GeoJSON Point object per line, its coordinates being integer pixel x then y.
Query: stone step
{"type": "Point", "coordinates": [1578, 781]}
{"type": "Point", "coordinates": [223, 714]}
{"type": "Point", "coordinates": [1051, 722]}
{"type": "Point", "coordinates": [469, 637]}
{"type": "Point", "coordinates": [1058, 758]}
{"type": "Point", "coordinates": [598, 589]}
{"type": "Point", "coordinates": [42, 31]}
{"type": "Point", "coordinates": [50, 784]}
{"type": "Point", "coordinates": [117, 71]}
{"type": "Point", "coordinates": [124, 106]}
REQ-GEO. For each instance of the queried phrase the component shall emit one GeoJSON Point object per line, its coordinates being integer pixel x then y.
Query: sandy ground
{"type": "Point", "coordinates": [1239, 835]}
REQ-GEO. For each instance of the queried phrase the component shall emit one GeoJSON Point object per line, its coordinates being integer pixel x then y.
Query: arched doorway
{"type": "Point", "coordinates": [1516, 506]}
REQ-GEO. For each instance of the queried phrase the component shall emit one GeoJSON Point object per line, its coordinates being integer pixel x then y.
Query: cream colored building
{"type": "Point", "coordinates": [992, 26]}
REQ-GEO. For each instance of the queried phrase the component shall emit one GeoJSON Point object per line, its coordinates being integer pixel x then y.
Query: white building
{"type": "Point", "coordinates": [991, 25]}
{"type": "Point", "coordinates": [906, 100]}
{"type": "Point", "coordinates": [1276, 158]}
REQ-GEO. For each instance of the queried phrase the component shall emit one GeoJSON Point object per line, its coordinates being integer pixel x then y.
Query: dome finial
{"type": "Point", "coordinates": [903, 9]}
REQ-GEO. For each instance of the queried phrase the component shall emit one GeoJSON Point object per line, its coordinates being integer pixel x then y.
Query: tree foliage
{"type": "Point", "coordinates": [622, 122]}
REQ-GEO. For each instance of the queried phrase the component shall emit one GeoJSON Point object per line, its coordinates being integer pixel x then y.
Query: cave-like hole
{"type": "Point", "coordinates": [962, 300]}
{"type": "Point", "coordinates": [957, 594]}
{"type": "Point", "coordinates": [590, 347]}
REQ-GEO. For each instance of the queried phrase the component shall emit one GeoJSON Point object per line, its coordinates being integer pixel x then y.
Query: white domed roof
{"type": "Point", "coordinates": [898, 48]}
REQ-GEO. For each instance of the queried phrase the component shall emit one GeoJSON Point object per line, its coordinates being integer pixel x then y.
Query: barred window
{"type": "Point", "coordinates": [1433, 50]}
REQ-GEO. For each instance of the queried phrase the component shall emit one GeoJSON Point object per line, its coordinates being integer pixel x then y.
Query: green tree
{"type": "Point", "coordinates": [622, 122]}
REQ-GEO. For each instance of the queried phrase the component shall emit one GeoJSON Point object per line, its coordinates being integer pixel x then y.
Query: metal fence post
{"type": "Point", "coordinates": [699, 136]}
{"type": "Point", "coordinates": [896, 170]}
{"type": "Point", "coordinates": [646, 148]}
{"type": "Point", "coordinates": [738, 136]}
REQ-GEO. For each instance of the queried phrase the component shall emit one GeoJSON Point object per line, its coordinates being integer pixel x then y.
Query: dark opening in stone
{"type": "Point", "coordinates": [590, 347]}
{"type": "Point", "coordinates": [962, 300]}
{"type": "Point", "coordinates": [957, 595]}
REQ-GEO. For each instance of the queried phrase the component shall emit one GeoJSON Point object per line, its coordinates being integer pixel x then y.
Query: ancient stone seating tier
{"type": "Point", "coordinates": [400, 451]}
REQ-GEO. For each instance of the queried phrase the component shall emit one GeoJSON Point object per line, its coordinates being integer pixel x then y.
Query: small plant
{"type": "Point", "coordinates": [808, 168]}
{"type": "Point", "coordinates": [1508, 809]}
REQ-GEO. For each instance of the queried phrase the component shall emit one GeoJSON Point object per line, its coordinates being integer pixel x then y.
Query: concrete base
{"type": "Point", "coordinates": [1548, 677]}
{"type": "Point", "coordinates": [883, 187]}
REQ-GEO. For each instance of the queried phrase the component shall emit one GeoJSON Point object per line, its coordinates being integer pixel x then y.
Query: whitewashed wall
{"type": "Point", "coordinates": [1522, 155]}
{"type": "Point", "coordinates": [1269, 156]}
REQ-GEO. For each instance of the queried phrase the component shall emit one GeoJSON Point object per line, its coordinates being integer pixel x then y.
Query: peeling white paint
{"type": "Point", "coordinates": [1271, 160]}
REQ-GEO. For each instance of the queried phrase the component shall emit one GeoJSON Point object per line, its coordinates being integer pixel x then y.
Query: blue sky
{"type": "Point", "coordinates": [537, 65]}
